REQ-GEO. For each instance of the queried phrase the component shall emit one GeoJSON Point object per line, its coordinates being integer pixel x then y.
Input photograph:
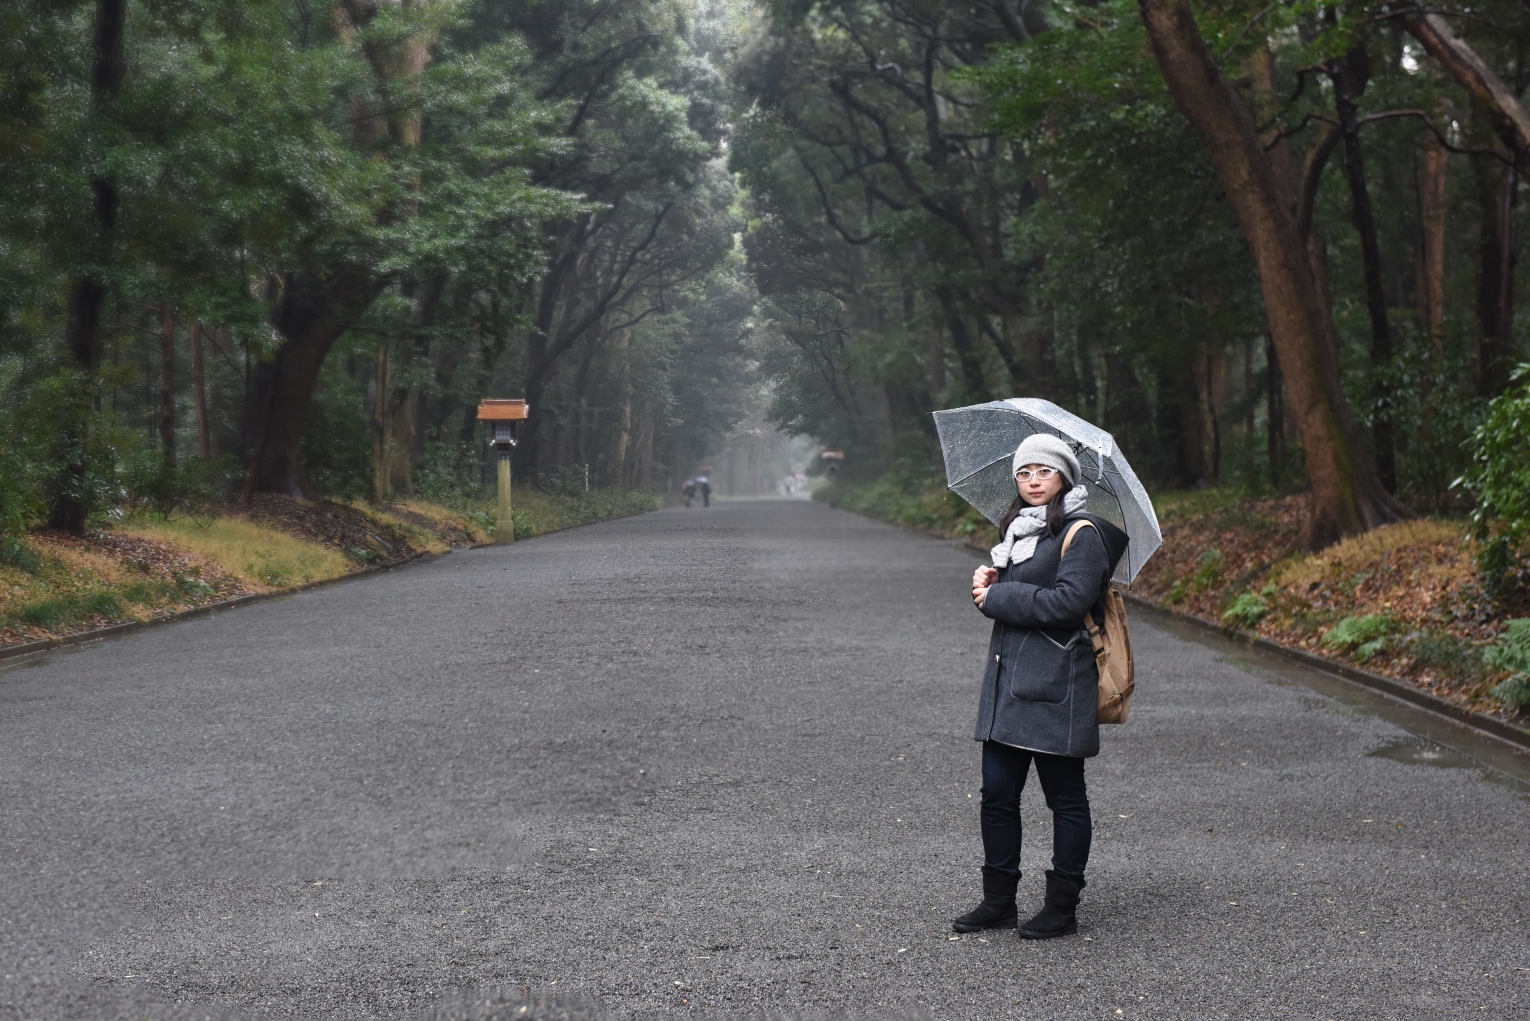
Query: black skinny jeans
{"type": "Point", "coordinates": [1062, 781]}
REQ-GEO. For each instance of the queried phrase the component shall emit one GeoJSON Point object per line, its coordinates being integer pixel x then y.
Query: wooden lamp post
{"type": "Point", "coordinates": [503, 417]}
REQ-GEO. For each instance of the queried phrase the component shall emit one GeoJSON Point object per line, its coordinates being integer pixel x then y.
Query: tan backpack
{"type": "Point", "coordinates": [1112, 648]}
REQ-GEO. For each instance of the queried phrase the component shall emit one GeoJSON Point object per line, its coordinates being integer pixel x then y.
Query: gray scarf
{"type": "Point", "coordinates": [1019, 543]}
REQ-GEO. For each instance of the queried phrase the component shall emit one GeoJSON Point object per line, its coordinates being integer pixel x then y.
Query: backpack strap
{"type": "Point", "coordinates": [1073, 529]}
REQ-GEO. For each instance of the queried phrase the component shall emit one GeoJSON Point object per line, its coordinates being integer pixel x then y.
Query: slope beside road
{"type": "Point", "coordinates": [710, 763]}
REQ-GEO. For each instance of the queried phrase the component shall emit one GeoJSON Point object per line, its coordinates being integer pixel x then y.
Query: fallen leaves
{"type": "Point", "coordinates": [1417, 575]}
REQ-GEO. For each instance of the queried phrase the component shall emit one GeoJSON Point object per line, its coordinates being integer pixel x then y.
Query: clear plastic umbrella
{"type": "Point", "coordinates": [978, 442]}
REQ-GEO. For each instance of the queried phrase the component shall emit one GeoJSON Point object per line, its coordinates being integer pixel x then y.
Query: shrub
{"type": "Point", "coordinates": [1512, 652]}
{"type": "Point", "coordinates": [337, 437]}
{"type": "Point", "coordinates": [449, 473]}
{"type": "Point", "coordinates": [31, 460]}
{"type": "Point", "coordinates": [1499, 477]}
{"type": "Point", "coordinates": [14, 552]}
{"type": "Point", "coordinates": [148, 482]}
{"type": "Point", "coordinates": [1246, 611]}
{"type": "Point", "coordinates": [1513, 693]}
{"type": "Point", "coordinates": [569, 480]}
{"type": "Point", "coordinates": [1366, 635]}
{"type": "Point", "coordinates": [1442, 651]}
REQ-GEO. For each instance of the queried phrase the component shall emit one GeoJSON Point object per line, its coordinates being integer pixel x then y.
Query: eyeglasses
{"type": "Point", "coordinates": [1039, 474]}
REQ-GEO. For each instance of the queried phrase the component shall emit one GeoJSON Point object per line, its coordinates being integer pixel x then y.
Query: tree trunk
{"type": "Point", "coordinates": [1275, 411]}
{"type": "Point", "coordinates": [68, 508]}
{"type": "Point", "coordinates": [1511, 121]}
{"type": "Point", "coordinates": [579, 404]}
{"type": "Point", "coordinates": [1431, 200]}
{"type": "Point", "coordinates": [1496, 184]}
{"type": "Point", "coordinates": [935, 361]}
{"type": "Point", "coordinates": [1247, 398]}
{"type": "Point", "coordinates": [199, 389]}
{"type": "Point", "coordinates": [625, 420]}
{"type": "Point", "coordinates": [1461, 62]}
{"type": "Point", "coordinates": [961, 340]}
{"type": "Point", "coordinates": [527, 452]}
{"type": "Point", "coordinates": [311, 316]}
{"type": "Point", "coordinates": [1349, 77]}
{"type": "Point", "coordinates": [1347, 496]}
{"type": "Point", "coordinates": [1211, 394]}
{"type": "Point", "coordinates": [167, 383]}
{"type": "Point", "coordinates": [645, 453]}
{"type": "Point", "coordinates": [382, 377]}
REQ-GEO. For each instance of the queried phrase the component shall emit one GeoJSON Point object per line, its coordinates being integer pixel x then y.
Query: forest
{"type": "Point", "coordinates": [285, 246]}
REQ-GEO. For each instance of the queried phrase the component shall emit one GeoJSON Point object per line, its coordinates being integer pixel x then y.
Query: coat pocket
{"type": "Point", "coordinates": [1042, 673]}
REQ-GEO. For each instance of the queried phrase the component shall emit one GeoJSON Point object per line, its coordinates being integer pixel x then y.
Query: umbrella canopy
{"type": "Point", "coordinates": [978, 442]}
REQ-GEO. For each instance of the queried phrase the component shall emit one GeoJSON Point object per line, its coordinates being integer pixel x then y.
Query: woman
{"type": "Point", "coordinates": [1041, 685]}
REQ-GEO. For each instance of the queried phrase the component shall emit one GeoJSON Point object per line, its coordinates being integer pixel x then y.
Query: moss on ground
{"type": "Point", "coordinates": [263, 558]}
{"type": "Point", "coordinates": [152, 566]}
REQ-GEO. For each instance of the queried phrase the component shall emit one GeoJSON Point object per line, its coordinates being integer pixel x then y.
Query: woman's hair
{"type": "Point", "coordinates": [1056, 515]}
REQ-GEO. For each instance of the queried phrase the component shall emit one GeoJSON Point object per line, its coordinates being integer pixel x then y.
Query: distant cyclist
{"type": "Point", "coordinates": [688, 490]}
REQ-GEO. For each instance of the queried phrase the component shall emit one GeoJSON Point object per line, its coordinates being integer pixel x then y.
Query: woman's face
{"type": "Point", "coordinates": [1036, 491]}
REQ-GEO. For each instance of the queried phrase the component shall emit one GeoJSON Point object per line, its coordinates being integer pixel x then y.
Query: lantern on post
{"type": "Point", "coordinates": [504, 418]}
{"type": "Point", "coordinates": [832, 471]}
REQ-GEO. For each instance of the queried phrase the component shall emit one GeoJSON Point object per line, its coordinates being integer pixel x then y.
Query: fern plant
{"type": "Point", "coordinates": [1246, 611]}
{"type": "Point", "coordinates": [1511, 652]}
{"type": "Point", "coordinates": [1365, 634]}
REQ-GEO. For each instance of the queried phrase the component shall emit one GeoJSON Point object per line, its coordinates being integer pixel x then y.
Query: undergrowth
{"type": "Point", "coordinates": [537, 511]}
{"type": "Point", "coordinates": [263, 558]}
{"type": "Point", "coordinates": [915, 501]}
{"type": "Point", "coordinates": [152, 563]}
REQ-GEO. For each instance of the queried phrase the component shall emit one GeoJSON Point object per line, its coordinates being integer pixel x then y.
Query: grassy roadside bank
{"type": "Point", "coordinates": [1403, 601]}
{"type": "Point", "coordinates": [145, 565]}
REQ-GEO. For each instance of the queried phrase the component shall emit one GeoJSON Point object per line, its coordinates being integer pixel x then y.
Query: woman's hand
{"type": "Point", "coordinates": [981, 579]}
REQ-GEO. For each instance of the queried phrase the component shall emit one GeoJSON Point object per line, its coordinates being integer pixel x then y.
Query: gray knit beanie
{"type": "Point", "coordinates": [1046, 449]}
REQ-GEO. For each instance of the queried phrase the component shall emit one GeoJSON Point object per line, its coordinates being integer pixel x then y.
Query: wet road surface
{"type": "Point", "coordinates": [714, 764]}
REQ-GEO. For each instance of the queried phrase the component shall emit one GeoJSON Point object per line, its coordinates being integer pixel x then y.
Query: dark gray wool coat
{"type": "Point", "coordinates": [1041, 686]}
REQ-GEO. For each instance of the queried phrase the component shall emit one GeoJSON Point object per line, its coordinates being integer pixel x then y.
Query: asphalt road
{"type": "Point", "coordinates": [710, 764]}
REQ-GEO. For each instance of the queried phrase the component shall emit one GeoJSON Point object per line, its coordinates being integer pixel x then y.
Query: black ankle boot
{"type": "Point", "coordinates": [1056, 917]}
{"type": "Point", "coordinates": [998, 908]}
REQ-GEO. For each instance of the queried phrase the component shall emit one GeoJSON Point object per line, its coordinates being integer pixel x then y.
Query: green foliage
{"type": "Point", "coordinates": [538, 513]}
{"type": "Point", "coordinates": [1514, 693]}
{"type": "Point", "coordinates": [1499, 477]}
{"type": "Point", "coordinates": [30, 458]}
{"type": "Point", "coordinates": [1246, 611]}
{"type": "Point", "coordinates": [567, 480]}
{"type": "Point", "coordinates": [916, 500]}
{"type": "Point", "coordinates": [146, 481]}
{"type": "Point", "coordinates": [1511, 651]}
{"type": "Point", "coordinates": [1449, 655]}
{"type": "Point", "coordinates": [70, 608]}
{"type": "Point", "coordinates": [449, 474]}
{"type": "Point", "coordinates": [1366, 635]}
{"type": "Point", "coordinates": [337, 438]}
{"type": "Point", "coordinates": [1210, 567]}
{"type": "Point", "coordinates": [1196, 503]}
{"type": "Point", "coordinates": [14, 552]}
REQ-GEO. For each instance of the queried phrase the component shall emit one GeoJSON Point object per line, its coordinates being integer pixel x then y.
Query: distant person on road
{"type": "Point", "coordinates": [706, 490]}
{"type": "Point", "coordinates": [688, 491]}
{"type": "Point", "coordinates": [1041, 683]}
